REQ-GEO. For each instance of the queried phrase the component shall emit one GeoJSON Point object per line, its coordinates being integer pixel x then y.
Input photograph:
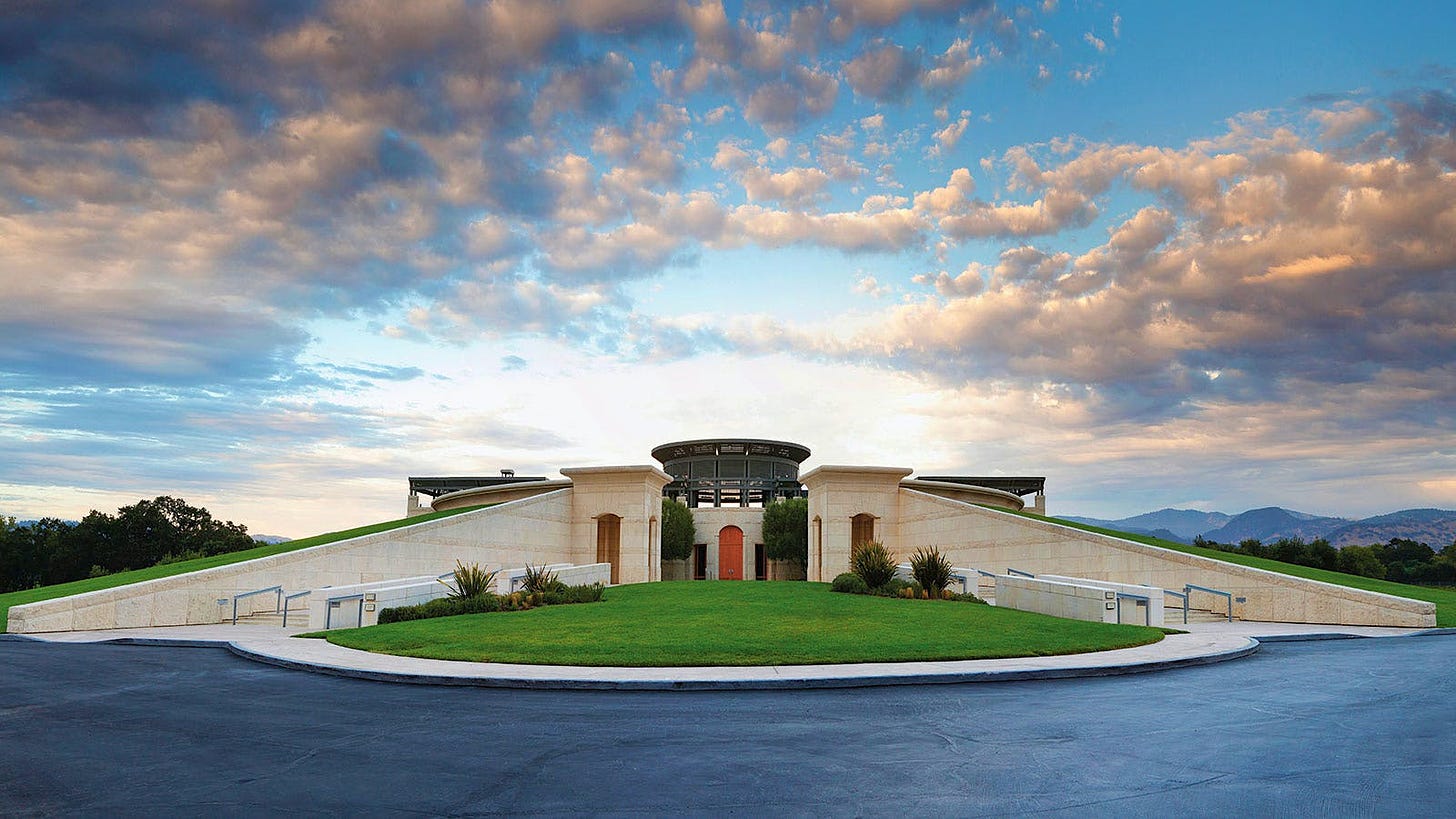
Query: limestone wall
{"type": "Point", "coordinates": [836, 495]}
{"type": "Point", "coordinates": [535, 530]}
{"type": "Point", "coordinates": [633, 493]}
{"type": "Point", "coordinates": [1073, 601]}
{"type": "Point", "coordinates": [994, 541]}
{"type": "Point", "coordinates": [708, 521]}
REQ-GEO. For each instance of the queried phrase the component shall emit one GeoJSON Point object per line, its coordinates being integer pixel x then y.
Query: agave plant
{"type": "Point", "coordinates": [873, 563]}
{"type": "Point", "coordinates": [931, 570]}
{"type": "Point", "coordinates": [470, 581]}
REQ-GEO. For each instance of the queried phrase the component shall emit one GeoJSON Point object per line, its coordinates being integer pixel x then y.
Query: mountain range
{"type": "Point", "coordinates": [1434, 527]}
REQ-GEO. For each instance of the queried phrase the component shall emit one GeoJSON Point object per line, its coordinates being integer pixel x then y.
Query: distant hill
{"type": "Point", "coordinates": [1434, 527]}
{"type": "Point", "coordinates": [271, 539]}
{"type": "Point", "coordinates": [1272, 523]}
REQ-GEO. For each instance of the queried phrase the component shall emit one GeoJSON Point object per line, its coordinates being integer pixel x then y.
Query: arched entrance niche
{"type": "Point", "coordinates": [816, 535]}
{"type": "Point", "coordinates": [730, 553]}
{"type": "Point", "coordinates": [609, 542]}
{"type": "Point", "coordinates": [861, 529]}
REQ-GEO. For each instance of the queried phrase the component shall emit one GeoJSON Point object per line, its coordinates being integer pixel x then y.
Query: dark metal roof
{"type": "Point", "coordinates": [714, 447]}
{"type": "Point", "coordinates": [1016, 486]}
{"type": "Point", "coordinates": [435, 487]}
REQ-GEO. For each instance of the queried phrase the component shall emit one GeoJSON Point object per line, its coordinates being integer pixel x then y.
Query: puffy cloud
{"type": "Point", "coordinates": [782, 105]}
{"type": "Point", "coordinates": [952, 68]}
{"type": "Point", "coordinates": [883, 13]}
{"type": "Point", "coordinates": [1267, 267]}
{"type": "Point", "coordinates": [950, 136]}
{"type": "Point", "coordinates": [795, 187]}
{"type": "Point", "coordinates": [883, 71]}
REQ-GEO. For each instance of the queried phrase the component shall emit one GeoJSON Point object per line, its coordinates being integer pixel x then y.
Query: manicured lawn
{"type": "Point", "coordinates": [110, 581]}
{"type": "Point", "coordinates": [1443, 597]}
{"type": "Point", "coordinates": [745, 623]}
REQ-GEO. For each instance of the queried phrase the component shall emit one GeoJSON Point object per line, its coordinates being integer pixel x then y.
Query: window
{"type": "Point", "coordinates": [861, 529]}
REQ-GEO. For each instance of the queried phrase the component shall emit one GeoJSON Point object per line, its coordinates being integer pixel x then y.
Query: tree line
{"type": "Point", "coordinates": [1402, 560]}
{"type": "Point", "coordinates": [147, 533]}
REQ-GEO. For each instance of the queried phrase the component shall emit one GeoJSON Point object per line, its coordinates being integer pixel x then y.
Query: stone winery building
{"type": "Point", "coordinates": [608, 518]}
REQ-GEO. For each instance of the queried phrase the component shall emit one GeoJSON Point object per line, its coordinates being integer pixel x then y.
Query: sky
{"type": "Point", "coordinates": [275, 258]}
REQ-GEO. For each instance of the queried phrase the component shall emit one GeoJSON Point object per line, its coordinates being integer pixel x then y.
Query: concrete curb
{"type": "Point", "coordinates": [1300, 638]}
{"type": "Point", "coordinates": [763, 684]}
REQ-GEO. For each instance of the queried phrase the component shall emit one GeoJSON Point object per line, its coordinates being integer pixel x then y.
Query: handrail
{"type": "Point", "coordinates": [329, 608]}
{"type": "Point", "coordinates": [984, 573]}
{"type": "Point", "coordinates": [1020, 573]}
{"type": "Point", "coordinates": [1228, 595]}
{"type": "Point", "coordinates": [294, 596]}
{"type": "Point", "coordinates": [1184, 598]}
{"type": "Point", "coordinates": [1147, 610]}
{"type": "Point", "coordinates": [238, 597]}
{"type": "Point", "coordinates": [965, 583]}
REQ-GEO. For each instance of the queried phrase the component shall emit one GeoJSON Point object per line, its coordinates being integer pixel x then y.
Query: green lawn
{"type": "Point", "coordinates": [1443, 597]}
{"type": "Point", "coordinates": [724, 623]}
{"type": "Point", "coordinates": [110, 581]}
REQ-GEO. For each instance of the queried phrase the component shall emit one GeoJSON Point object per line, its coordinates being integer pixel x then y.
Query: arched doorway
{"type": "Point", "coordinates": [861, 529]}
{"type": "Point", "coordinates": [817, 534]}
{"type": "Point", "coordinates": [730, 553]}
{"type": "Point", "coordinates": [609, 542]}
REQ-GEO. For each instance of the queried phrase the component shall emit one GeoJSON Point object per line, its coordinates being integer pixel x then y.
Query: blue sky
{"type": "Point", "coordinates": [275, 258]}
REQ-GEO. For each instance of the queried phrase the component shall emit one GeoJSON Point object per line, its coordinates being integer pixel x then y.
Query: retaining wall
{"type": "Point", "coordinates": [535, 530]}
{"type": "Point", "coordinates": [993, 540]}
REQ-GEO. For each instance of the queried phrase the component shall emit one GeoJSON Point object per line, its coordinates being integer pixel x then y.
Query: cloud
{"type": "Point", "coordinates": [883, 72]}
{"type": "Point", "coordinates": [782, 106]}
{"type": "Point", "coordinates": [1286, 267]}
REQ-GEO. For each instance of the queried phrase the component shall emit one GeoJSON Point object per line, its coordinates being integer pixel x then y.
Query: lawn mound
{"type": "Point", "coordinates": [694, 623]}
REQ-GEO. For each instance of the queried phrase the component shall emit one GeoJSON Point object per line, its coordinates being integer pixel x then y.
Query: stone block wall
{"type": "Point", "coordinates": [534, 530]}
{"type": "Point", "coordinates": [1071, 600]}
{"type": "Point", "coordinates": [995, 541]}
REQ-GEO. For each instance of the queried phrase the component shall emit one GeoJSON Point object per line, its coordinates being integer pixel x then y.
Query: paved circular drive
{"type": "Point", "coordinates": [1335, 728]}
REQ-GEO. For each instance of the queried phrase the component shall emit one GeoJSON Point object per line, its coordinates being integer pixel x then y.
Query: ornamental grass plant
{"type": "Point", "coordinates": [931, 570]}
{"type": "Point", "coordinates": [873, 563]}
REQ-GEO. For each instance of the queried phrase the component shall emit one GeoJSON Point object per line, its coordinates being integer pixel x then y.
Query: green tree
{"type": "Point", "coordinates": [1361, 560]}
{"type": "Point", "coordinates": [677, 530]}
{"type": "Point", "coordinates": [786, 530]}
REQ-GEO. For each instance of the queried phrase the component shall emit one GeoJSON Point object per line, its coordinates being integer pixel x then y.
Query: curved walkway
{"type": "Point", "coordinates": [1204, 644]}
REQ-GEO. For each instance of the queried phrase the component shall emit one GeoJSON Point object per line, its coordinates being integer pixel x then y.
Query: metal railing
{"type": "Point", "coordinates": [238, 597]}
{"type": "Point", "coordinates": [1184, 598]}
{"type": "Point", "coordinates": [1187, 587]}
{"type": "Point", "coordinates": [1020, 573]}
{"type": "Point", "coordinates": [1147, 606]}
{"type": "Point", "coordinates": [289, 598]}
{"type": "Point", "coordinates": [329, 608]}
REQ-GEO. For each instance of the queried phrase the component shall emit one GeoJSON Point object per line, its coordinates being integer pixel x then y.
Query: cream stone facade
{"type": "Point", "coordinates": [610, 516]}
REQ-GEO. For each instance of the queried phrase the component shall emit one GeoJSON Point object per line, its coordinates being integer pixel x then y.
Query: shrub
{"type": "Point", "coordinates": [485, 603]}
{"type": "Point", "coordinates": [893, 587]}
{"type": "Point", "coordinates": [850, 583]}
{"type": "Point", "coordinates": [931, 570]}
{"type": "Point", "coordinates": [470, 581]}
{"type": "Point", "coordinates": [590, 593]}
{"type": "Point", "coordinates": [873, 563]}
{"type": "Point", "coordinates": [442, 607]}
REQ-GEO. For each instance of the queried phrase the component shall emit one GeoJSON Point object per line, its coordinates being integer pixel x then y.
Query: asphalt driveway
{"type": "Point", "coordinates": [1349, 727]}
